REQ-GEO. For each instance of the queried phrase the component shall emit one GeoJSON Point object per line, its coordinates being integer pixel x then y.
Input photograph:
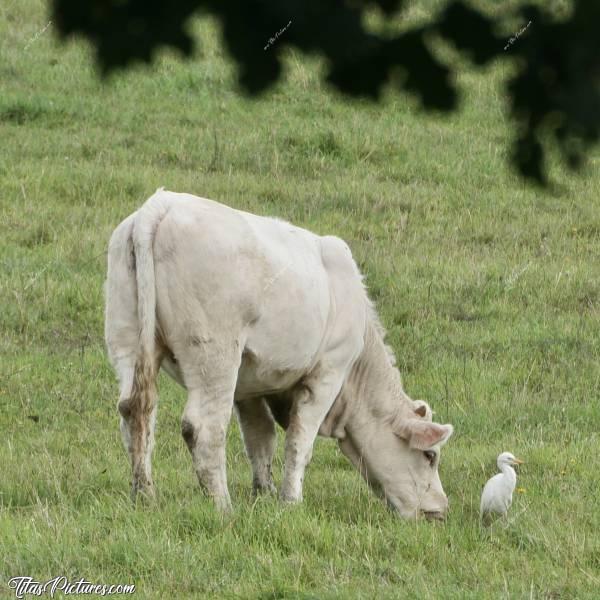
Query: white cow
{"type": "Point", "coordinates": [255, 313]}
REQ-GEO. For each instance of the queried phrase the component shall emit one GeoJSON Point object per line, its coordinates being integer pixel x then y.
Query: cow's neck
{"type": "Point", "coordinates": [373, 389]}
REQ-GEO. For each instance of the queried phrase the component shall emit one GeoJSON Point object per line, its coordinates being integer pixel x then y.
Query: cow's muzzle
{"type": "Point", "coordinates": [434, 515]}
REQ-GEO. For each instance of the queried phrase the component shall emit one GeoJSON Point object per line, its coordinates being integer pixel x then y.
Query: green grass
{"type": "Point", "coordinates": [490, 291]}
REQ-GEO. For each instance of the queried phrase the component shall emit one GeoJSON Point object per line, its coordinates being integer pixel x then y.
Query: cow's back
{"type": "Point", "coordinates": [225, 277]}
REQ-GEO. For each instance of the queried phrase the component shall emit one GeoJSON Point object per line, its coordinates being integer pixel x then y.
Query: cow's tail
{"type": "Point", "coordinates": [143, 399]}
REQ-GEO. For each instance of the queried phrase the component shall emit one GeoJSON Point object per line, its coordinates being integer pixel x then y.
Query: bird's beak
{"type": "Point", "coordinates": [518, 461]}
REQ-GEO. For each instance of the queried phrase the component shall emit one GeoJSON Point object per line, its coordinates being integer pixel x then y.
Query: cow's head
{"type": "Point", "coordinates": [399, 458]}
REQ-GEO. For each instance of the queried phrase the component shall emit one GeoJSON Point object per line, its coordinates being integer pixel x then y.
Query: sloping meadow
{"type": "Point", "coordinates": [489, 289]}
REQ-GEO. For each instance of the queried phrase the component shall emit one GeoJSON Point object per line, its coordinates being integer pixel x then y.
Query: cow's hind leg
{"type": "Point", "coordinates": [206, 418]}
{"type": "Point", "coordinates": [258, 431]}
{"type": "Point", "coordinates": [125, 368]}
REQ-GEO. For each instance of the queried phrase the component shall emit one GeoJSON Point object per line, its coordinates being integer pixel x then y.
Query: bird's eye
{"type": "Point", "coordinates": [430, 456]}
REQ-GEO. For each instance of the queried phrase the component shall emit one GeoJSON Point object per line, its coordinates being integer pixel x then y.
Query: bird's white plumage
{"type": "Point", "coordinates": [497, 492]}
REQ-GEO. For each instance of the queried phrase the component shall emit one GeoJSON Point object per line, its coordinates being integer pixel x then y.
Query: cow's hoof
{"type": "Point", "coordinates": [264, 489]}
{"type": "Point", "coordinates": [288, 499]}
{"type": "Point", "coordinates": [223, 504]}
{"type": "Point", "coordinates": [143, 494]}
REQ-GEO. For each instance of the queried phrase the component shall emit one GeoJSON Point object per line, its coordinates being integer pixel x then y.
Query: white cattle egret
{"type": "Point", "coordinates": [498, 491]}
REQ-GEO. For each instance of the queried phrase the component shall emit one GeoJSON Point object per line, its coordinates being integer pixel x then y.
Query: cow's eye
{"type": "Point", "coordinates": [430, 456]}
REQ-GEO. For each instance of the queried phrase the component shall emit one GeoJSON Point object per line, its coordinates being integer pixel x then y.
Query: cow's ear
{"type": "Point", "coordinates": [422, 409]}
{"type": "Point", "coordinates": [423, 435]}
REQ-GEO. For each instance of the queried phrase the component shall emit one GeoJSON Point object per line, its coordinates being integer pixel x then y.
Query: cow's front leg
{"type": "Point", "coordinates": [258, 431]}
{"type": "Point", "coordinates": [204, 428]}
{"type": "Point", "coordinates": [312, 402]}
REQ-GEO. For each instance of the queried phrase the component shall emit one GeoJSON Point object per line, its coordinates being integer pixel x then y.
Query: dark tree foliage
{"type": "Point", "coordinates": [555, 93]}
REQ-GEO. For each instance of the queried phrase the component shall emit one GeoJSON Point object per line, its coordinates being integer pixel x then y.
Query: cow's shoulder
{"type": "Point", "coordinates": [348, 296]}
{"type": "Point", "coordinates": [337, 256]}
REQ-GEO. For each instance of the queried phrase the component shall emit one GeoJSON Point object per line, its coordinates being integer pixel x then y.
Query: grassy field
{"type": "Point", "coordinates": [490, 291]}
